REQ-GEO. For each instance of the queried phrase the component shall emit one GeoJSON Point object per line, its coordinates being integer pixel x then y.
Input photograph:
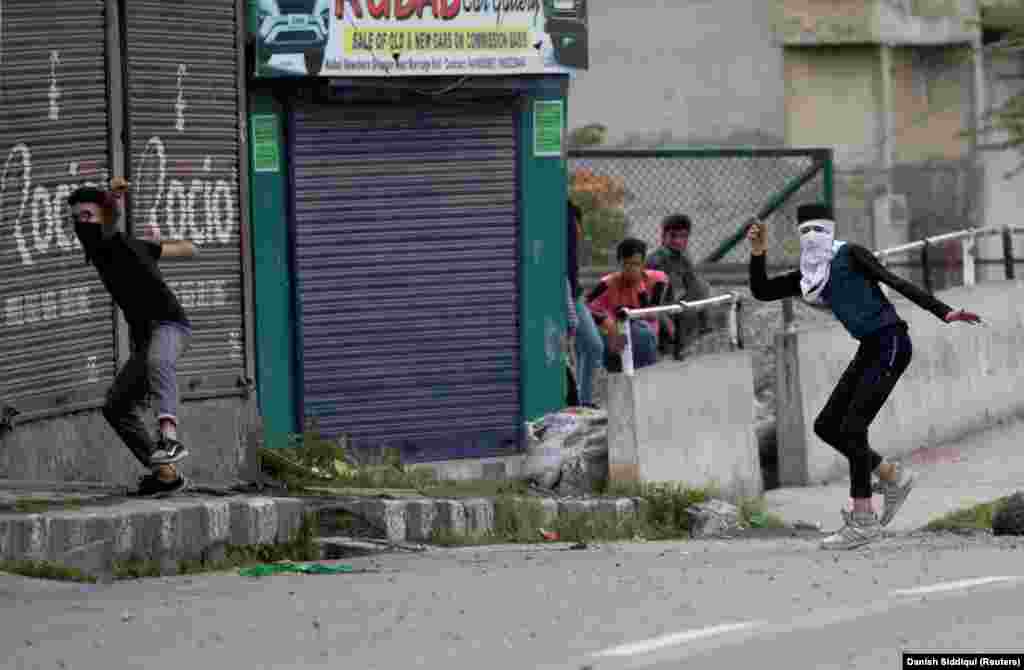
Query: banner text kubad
{"type": "Point", "coordinates": [445, 10]}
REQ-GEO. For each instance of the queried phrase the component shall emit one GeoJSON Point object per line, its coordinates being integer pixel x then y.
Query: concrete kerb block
{"type": "Point", "coordinates": [641, 509]}
{"type": "Point", "coordinates": [216, 522]}
{"type": "Point", "coordinates": [616, 509]}
{"type": "Point", "coordinates": [569, 510]}
{"type": "Point", "coordinates": [290, 514]}
{"type": "Point", "coordinates": [479, 516]}
{"type": "Point", "coordinates": [387, 516]}
{"type": "Point", "coordinates": [192, 532]}
{"type": "Point", "coordinates": [94, 558]}
{"type": "Point", "coordinates": [5, 539]}
{"type": "Point", "coordinates": [30, 538]}
{"type": "Point", "coordinates": [548, 510]}
{"type": "Point", "coordinates": [253, 521]}
{"type": "Point", "coordinates": [420, 518]}
{"type": "Point", "coordinates": [147, 528]}
{"type": "Point", "coordinates": [450, 517]}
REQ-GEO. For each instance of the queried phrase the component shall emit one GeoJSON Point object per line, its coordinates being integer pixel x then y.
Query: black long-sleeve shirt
{"type": "Point", "coordinates": [865, 262]}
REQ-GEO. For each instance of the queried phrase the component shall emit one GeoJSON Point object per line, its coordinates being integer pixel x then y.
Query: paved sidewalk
{"type": "Point", "coordinates": [977, 469]}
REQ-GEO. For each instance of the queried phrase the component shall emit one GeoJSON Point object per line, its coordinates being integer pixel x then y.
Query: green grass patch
{"type": "Point", "coordinates": [39, 505]}
{"type": "Point", "coordinates": [519, 520]}
{"type": "Point", "coordinates": [665, 505]}
{"type": "Point", "coordinates": [971, 518]}
{"type": "Point", "coordinates": [663, 516]}
{"type": "Point", "coordinates": [46, 570]}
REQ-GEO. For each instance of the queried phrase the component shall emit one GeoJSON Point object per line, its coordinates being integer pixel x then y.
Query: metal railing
{"type": "Point", "coordinates": [734, 300]}
{"type": "Point", "coordinates": [968, 240]}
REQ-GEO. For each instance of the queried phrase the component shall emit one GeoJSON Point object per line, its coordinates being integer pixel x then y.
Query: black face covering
{"type": "Point", "coordinates": [91, 235]}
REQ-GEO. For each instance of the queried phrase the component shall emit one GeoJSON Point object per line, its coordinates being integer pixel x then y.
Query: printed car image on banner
{"type": "Point", "coordinates": [375, 38]}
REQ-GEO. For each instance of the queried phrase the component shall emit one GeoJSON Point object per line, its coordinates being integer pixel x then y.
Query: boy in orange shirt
{"type": "Point", "coordinates": [632, 287]}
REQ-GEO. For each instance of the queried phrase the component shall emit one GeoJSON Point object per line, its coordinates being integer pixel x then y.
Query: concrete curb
{"type": "Point", "coordinates": [418, 519]}
{"type": "Point", "coordinates": [167, 531]}
{"type": "Point", "coordinates": [93, 538]}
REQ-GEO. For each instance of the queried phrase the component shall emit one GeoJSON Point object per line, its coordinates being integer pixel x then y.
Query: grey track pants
{"type": "Point", "coordinates": [150, 372]}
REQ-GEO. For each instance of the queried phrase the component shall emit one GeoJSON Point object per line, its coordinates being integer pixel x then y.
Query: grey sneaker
{"type": "Point", "coordinates": [167, 452]}
{"type": "Point", "coordinates": [858, 529]}
{"type": "Point", "coordinates": [895, 492]}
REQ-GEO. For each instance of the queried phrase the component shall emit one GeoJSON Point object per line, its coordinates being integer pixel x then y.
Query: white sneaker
{"type": "Point", "coordinates": [859, 528]}
{"type": "Point", "coordinates": [895, 492]}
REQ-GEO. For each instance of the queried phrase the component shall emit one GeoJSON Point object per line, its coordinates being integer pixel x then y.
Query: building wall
{"type": "Point", "coordinates": [677, 73]}
{"type": "Point", "coordinates": [932, 103]}
{"type": "Point", "coordinates": [819, 22]}
{"type": "Point", "coordinates": [832, 100]}
{"type": "Point", "coordinates": [1004, 179]}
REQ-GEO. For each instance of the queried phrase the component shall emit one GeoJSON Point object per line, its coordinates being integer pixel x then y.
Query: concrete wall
{"type": "Point", "coordinates": [932, 102]}
{"type": "Point", "coordinates": [1004, 182]}
{"type": "Point", "coordinates": [81, 447]}
{"type": "Point", "coordinates": [832, 99]}
{"type": "Point", "coordinates": [819, 22]}
{"type": "Point", "coordinates": [690, 422]}
{"type": "Point", "coordinates": [687, 72]}
{"type": "Point", "coordinates": [961, 379]}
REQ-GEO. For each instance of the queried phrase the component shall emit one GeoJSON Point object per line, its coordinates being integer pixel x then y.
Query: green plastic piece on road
{"type": "Point", "coordinates": [268, 569]}
{"type": "Point", "coordinates": [758, 520]}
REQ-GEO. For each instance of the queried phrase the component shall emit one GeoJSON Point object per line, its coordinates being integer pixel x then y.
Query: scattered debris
{"type": "Point", "coordinates": [1009, 517]}
{"type": "Point", "coordinates": [567, 452]}
{"type": "Point", "coordinates": [713, 518]}
{"type": "Point", "coordinates": [549, 535]}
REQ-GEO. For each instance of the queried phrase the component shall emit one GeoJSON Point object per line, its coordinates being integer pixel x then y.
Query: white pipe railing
{"type": "Point", "coordinates": [968, 240]}
{"type": "Point", "coordinates": [734, 300]}
{"type": "Point", "coordinates": [969, 245]}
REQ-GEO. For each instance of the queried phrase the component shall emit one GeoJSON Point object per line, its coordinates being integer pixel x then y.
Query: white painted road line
{"type": "Point", "coordinates": [815, 619]}
{"type": "Point", "coordinates": [676, 639]}
{"type": "Point", "coordinates": [954, 586]}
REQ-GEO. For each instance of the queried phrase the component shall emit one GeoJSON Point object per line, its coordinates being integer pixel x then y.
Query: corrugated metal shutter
{"type": "Point", "coordinates": [182, 95]}
{"type": "Point", "coordinates": [407, 263]}
{"type": "Point", "coordinates": [56, 319]}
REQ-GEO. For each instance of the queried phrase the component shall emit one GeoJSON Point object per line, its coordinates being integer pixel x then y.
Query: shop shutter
{"type": "Point", "coordinates": [183, 120]}
{"type": "Point", "coordinates": [407, 248]}
{"type": "Point", "coordinates": [56, 319]}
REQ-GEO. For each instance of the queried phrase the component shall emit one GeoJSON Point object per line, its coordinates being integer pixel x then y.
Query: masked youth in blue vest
{"type": "Point", "coordinates": [844, 278]}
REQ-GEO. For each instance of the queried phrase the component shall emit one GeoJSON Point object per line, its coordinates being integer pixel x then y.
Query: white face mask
{"type": "Point", "coordinates": [817, 248]}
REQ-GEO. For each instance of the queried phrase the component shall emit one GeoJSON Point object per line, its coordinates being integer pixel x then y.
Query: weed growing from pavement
{"type": "Point", "coordinates": [302, 547]}
{"type": "Point", "coordinates": [973, 518]}
{"type": "Point", "coordinates": [46, 570]}
{"type": "Point", "coordinates": [37, 505]}
{"type": "Point", "coordinates": [663, 517]}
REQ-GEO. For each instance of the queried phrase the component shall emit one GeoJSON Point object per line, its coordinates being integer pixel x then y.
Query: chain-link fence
{"type": "Point", "coordinates": [628, 193]}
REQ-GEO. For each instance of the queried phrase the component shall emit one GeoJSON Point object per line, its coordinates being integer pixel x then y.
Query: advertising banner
{"type": "Point", "coordinates": [380, 38]}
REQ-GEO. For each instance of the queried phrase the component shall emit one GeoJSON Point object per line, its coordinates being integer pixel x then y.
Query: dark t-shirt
{"type": "Point", "coordinates": [128, 268]}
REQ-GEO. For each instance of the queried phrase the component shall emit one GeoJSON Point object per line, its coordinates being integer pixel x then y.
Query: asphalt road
{"type": "Point", "coordinates": [722, 604]}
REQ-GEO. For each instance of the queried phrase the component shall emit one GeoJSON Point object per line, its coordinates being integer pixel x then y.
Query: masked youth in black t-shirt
{"type": "Point", "coordinates": [160, 333]}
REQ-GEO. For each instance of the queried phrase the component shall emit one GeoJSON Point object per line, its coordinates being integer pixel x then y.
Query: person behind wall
{"type": "Point", "coordinates": [844, 278]}
{"type": "Point", "coordinates": [159, 329]}
{"type": "Point", "coordinates": [673, 259]}
{"type": "Point", "coordinates": [587, 342]}
{"type": "Point", "coordinates": [632, 287]}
